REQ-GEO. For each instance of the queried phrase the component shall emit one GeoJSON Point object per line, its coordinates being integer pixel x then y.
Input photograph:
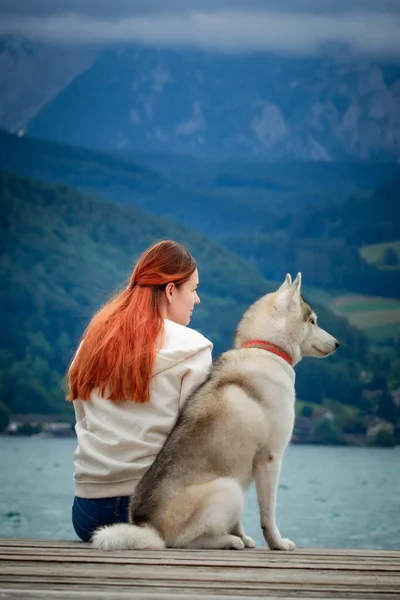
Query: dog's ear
{"type": "Point", "coordinates": [289, 294]}
{"type": "Point", "coordinates": [287, 283]}
{"type": "Point", "coordinates": [296, 285]}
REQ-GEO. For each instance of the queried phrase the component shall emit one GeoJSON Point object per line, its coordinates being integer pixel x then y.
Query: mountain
{"type": "Point", "coordinates": [32, 74]}
{"type": "Point", "coordinates": [214, 197]}
{"type": "Point", "coordinates": [243, 106]}
{"type": "Point", "coordinates": [62, 255]}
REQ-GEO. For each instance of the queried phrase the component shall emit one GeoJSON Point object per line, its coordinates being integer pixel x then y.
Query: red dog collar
{"type": "Point", "coordinates": [270, 347]}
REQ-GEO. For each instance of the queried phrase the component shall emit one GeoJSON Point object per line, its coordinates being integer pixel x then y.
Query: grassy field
{"type": "Point", "coordinates": [374, 254]}
{"type": "Point", "coordinates": [378, 317]}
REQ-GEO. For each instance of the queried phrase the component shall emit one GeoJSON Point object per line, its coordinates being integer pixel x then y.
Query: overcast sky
{"type": "Point", "coordinates": [300, 27]}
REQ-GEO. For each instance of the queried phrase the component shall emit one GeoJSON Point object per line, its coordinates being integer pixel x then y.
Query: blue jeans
{"type": "Point", "coordinates": [88, 515]}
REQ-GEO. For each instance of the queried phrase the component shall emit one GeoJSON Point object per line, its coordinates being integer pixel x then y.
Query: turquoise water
{"type": "Point", "coordinates": [328, 497]}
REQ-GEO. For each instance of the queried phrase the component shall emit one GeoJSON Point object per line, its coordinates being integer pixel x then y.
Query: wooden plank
{"type": "Point", "coordinates": [218, 561]}
{"type": "Point", "coordinates": [72, 544]}
{"type": "Point", "coordinates": [326, 563]}
{"type": "Point", "coordinates": [363, 566]}
{"type": "Point", "coordinates": [193, 589]}
{"type": "Point", "coordinates": [219, 577]}
{"type": "Point", "coordinates": [77, 543]}
{"type": "Point", "coordinates": [248, 553]}
{"type": "Point", "coordinates": [228, 555]}
{"type": "Point", "coordinates": [161, 594]}
{"type": "Point", "coordinates": [22, 594]}
{"type": "Point", "coordinates": [253, 556]}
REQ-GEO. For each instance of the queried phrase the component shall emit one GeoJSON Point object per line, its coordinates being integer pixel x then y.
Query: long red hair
{"type": "Point", "coordinates": [119, 348]}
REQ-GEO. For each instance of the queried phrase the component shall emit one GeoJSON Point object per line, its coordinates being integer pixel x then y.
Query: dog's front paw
{"type": "Point", "coordinates": [248, 541]}
{"type": "Point", "coordinates": [284, 544]}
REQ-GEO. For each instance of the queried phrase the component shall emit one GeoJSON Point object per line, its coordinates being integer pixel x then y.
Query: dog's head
{"type": "Point", "coordinates": [287, 320]}
{"type": "Point", "coordinates": [300, 321]}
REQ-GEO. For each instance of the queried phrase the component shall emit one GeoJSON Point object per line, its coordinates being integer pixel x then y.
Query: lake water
{"type": "Point", "coordinates": [328, 497]}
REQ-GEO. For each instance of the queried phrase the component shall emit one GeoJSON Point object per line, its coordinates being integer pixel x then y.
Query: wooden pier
{"type": "Point", "coordinates": [48, 569]}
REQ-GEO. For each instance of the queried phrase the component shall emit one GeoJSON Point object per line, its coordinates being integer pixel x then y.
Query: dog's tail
{"type": "Point", "coordinates": [123, 536]}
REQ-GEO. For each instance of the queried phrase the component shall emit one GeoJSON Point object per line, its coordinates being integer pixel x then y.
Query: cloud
{"type": "Point", "coordinates": [127, 8]}
{"type": "Point", "coordinates": [366, 32]}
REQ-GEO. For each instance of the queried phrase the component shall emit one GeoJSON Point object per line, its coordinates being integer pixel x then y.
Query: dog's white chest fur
{"type": "Point", "coordinates": [261, 415]}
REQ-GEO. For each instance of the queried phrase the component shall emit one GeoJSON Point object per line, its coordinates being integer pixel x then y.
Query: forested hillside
{"type": "Point", "coordinates": [64, 253]}
{"type": "Point", "coordinates": [324, 242]}
{"type": "Point", "coordinates": [126, 181]}
{"type": "Point", "coordinates": [272, 216]}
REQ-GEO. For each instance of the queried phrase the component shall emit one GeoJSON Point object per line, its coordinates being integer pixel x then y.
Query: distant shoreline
{"type": "Point", "coordinates": [349, 443]}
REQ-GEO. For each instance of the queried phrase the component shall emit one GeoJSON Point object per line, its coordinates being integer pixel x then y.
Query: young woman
{"type": "Point", "coordinates": [133, 371]}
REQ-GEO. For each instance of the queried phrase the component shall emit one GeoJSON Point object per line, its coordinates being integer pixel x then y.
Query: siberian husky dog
{"type": "Point", "coordinates": [234, 429]}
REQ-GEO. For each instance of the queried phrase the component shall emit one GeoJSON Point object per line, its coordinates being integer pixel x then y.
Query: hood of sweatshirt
{"type": "Point", "coordinates": [180, 342]}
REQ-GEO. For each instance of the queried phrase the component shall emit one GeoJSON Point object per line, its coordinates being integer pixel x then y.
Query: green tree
{"type": "Point", "coordinates": [390, 257]}
{"type": "Point", "coordinates": [326, 431]}
{"type": "Point", "coordinates": [5, 416]}
{"type": "Point", "coordinates": [387, 409]}
{"type": "Point", "coordinates": [306, 411]}
{"type": "Point", "coordinates": [385, 438]}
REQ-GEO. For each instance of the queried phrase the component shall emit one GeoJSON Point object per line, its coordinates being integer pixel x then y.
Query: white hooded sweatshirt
{"type": "Point", "coordinates": [118, 441]}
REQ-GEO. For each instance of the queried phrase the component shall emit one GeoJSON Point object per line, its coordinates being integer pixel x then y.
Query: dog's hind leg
{"type": "Point", "coordinates": [239, 531]}
{"type": "Point", "coordinates": [217, 508]}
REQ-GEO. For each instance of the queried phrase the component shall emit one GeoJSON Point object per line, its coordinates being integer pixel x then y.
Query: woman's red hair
{"type": "Point", "coordinates": [119, 348]}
